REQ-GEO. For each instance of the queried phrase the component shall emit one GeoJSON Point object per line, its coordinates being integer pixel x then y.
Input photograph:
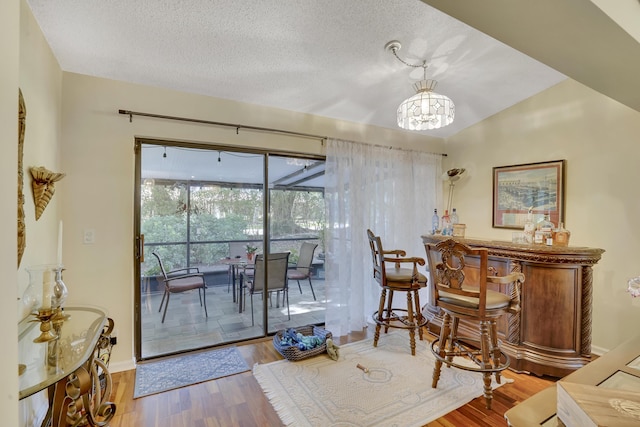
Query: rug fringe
{"type": "Point", "coordinates": [283, 411]}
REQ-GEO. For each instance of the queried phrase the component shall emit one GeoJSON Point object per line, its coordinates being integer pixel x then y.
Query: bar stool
{"type": "Point", "coordinates": [397, 279]}
{"type": "Point", "coordinates": [474, 302]}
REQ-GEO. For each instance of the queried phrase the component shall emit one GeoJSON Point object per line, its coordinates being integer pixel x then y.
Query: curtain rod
{"type": "Point", "coordinates": [237, 126]}
{"type": "Point", "coordinates": [231, 125]}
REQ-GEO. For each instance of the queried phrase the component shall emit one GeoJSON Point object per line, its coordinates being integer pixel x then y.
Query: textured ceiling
{"type": "Point", "coordinates": [319, 57]}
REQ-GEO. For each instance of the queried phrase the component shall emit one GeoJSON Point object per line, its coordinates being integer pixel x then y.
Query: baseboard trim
{"type": "Point", "coordinates": [598, 351]}
{"type": "Point", "coordinates": [126, 365]}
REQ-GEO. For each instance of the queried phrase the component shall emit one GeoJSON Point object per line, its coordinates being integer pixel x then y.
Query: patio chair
{"type": "Point", "coordinates": [181, 280]}
{"type": "Point", "coordinates": [302, 269]}
{"type": "Point", "coordinates": [276, 280]}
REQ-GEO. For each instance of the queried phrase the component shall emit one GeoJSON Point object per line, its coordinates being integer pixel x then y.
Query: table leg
{"type": "Point", "coordinates": [240, 294]}
{"type": "Point", "coordinates": [233, 281]}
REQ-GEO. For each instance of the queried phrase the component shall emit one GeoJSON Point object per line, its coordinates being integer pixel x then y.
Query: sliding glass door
{"type": "Point", "coordinates": [204, 211]}
{"type": "Point", "coordinates": [296, 209]}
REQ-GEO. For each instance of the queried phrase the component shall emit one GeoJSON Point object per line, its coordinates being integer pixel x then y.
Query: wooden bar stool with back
{"type": "Point", "coordinates": [395, 279]}
{"type": "Point", "coordinates": [473, 302]}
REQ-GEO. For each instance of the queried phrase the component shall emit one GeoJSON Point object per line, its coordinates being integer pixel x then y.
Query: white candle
{"type": "Point", "coordinates": [47, 288]}
{"type": "Point", "coordinates": [60, 243]}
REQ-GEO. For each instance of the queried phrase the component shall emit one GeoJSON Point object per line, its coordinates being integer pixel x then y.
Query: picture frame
{"type": "Point", "coordinates": [517, 188]}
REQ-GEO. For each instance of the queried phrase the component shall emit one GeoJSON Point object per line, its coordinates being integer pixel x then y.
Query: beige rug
{"type": "Point", "coordinates": [396, 392]}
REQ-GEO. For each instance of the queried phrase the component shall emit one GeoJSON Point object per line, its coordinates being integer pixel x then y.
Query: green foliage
{"type": "Point", "coordinates": [293, 256]}
{"type": "Point", "coordinates": [219, 214]}
{"type": "Point", "coordinates": [296, 213]}
{"type": "Point", "coordinates": [158, 229]}
{"type": "Point", "coordinates": [162, 200]}
{"type": "Point", "coordinates": [151, 266]}
{"type": "Point", "coordinates": [206, 227]}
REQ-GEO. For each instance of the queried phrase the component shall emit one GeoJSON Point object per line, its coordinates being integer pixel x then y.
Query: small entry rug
{"type": "Point", "coordinates": [395, 392]}
{"type": "Point", "coordinates": [188, 369]}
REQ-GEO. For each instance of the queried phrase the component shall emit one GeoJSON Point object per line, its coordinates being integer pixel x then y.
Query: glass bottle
{"type": "Point", "coordinates": [544, 232]}
{"type": "Point", "coordinates": [446, 224]}
{"type": "Point", "coordinates": [435, 222]}
{"type": "Point", "coordinates": [454, 217]}
{"type": "Point", "coordinates": [561, 236]}
{"type": "Point", "coordinates": [46, 290]}
{"type": "Point", "coordinates": [529, 227]}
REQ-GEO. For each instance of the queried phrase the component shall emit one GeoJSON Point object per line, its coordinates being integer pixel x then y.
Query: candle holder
{"type": "Point", "coordinates": [45, 297]}
{"type": "Point", "coordinates": [44, 317]}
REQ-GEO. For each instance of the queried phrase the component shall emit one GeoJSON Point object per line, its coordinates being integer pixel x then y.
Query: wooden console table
{"type": "Point", "coordinates": [70, 367]}
{"type": "Point", "coordinates": [618, 369]}
{"type": "Point", "coordinates": [552, 333]}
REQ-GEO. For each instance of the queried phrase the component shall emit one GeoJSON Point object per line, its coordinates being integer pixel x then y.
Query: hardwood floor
{"type": "Point", "coordinates": [238, 400]}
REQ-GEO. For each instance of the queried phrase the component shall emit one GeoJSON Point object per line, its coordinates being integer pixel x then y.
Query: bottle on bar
{"type": "Point", "coordinates": [561, 236]}
{"type": "Point", "coordinates": [544, 233]}
{"type": "Point", "coordinates": [529, 227]}
{"type": "Point", "coordinates": [435, 222]}
{"type": "Point", "coordinates": [446, 224]}
{"type": "Point", "coordinates": [454, 217]}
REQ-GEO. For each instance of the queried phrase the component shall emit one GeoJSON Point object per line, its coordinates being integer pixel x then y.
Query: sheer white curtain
{"type": "Point", "coordinates": [393, 192]}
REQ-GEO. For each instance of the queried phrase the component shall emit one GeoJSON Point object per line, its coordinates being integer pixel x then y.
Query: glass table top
{"type": "Point", "coordinates": [47, 363]}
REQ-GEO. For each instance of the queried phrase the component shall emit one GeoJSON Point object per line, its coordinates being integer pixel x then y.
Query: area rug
{"type": "Point", "coordinates": [181, 371]}
{"type": "Point", "coordinates": [396, 390]}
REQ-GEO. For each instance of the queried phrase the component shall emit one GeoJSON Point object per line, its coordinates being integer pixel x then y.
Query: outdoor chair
{"type": "Point", "coordinates": [181, 280]}
{"type": "Point", "coordinates": [302, 269]}
{"type": "Point", "coordinates": [276, 266]}
{"type": "Point", "coordinates": [474, 302]}
{"type": "Point", "coordinates": [393, 279]}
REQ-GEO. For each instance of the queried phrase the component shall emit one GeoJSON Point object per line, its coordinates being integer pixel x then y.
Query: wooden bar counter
{"type": "Point", "coordinates": [552, 333]}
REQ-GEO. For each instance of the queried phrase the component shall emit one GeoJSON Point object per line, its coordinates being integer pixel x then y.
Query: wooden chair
{"type": "Point", "coordinates": [395, 279]}
{"type": "Point", "coordinates": [302, 269]}
{"type": "Point", "coordinates": [181, 280]}
{"type": "Point", "coordinates": [276, 271]}
{"type": "Point", "coordinates": [474, 302]}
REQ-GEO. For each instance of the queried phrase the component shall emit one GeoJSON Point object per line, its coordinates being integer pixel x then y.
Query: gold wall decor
{"type": "Point", "coordinates": [22, 228]}
{"type": "Point", "coordinates": [43, 187]}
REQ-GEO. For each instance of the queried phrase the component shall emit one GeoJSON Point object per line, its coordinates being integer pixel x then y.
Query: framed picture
{"type": "Point", "coordinates": [535, 186]}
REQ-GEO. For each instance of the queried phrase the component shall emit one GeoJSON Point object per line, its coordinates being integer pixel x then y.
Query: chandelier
{"type": "Point", "coordinates": [426, 109]}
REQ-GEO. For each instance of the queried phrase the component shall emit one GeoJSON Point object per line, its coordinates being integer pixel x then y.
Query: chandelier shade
{"type": "Point", "coordinates": [426, 109]}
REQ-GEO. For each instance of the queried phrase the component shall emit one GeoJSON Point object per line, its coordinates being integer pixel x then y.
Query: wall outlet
{"type": "Point", "coordinates": [89, 237]}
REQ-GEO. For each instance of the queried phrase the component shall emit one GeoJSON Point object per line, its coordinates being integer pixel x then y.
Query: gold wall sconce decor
{"type": "Point", "coordinates": [43, 185]}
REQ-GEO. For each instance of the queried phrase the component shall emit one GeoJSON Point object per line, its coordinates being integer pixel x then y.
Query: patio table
{"type": "Point", "coordinates": [235, 264]}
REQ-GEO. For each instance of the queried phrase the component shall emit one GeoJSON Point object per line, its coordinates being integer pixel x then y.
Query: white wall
{"type": "Point", "coordinates": [41, 84]}
{"type": "Point", "coordinates": [97, 155]}
{"type": "Point", "coordinates": [599, 139]}
{"type": "Point", "coordinates": [9, 68]}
